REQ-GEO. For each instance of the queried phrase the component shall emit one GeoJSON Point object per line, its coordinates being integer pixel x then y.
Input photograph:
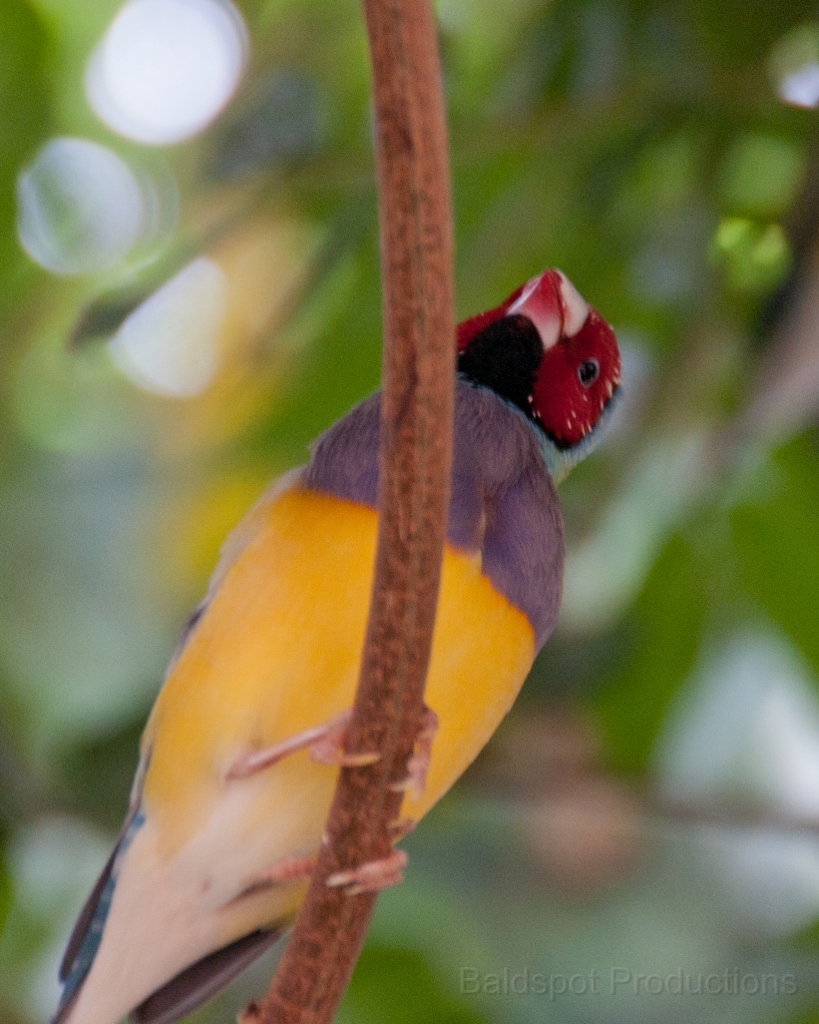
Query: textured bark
{"type": "Point", "coordinates": [415, 459]}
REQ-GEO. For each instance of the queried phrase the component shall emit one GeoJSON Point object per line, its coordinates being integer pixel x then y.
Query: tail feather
{"type": "Point", "coordinates": [202, 980]}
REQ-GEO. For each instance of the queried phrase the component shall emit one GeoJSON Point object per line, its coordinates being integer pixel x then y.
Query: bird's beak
{"type": "Point", "coordinates": [554, 306]}
{"type": "Point", "coordinates": [540, 301]}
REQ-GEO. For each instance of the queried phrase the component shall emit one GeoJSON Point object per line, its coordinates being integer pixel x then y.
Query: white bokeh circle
{"type": "Point", "coordinates": [80, 207]}
{"type": "Point", "coordinates": [169, 344]}
{"type": "Point", "coordinates": [165, 68]}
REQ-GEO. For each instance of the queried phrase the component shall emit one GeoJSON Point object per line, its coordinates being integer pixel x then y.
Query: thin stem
{"type": "Point", "coordinates": [415, 459]}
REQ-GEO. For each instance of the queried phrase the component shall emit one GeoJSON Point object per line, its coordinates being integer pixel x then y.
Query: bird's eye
{"type": "Point", "coordinates": [588, 371]}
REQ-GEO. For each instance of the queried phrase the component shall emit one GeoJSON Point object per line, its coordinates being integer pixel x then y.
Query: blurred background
{"type": "Point", "coordinates": [189, 293]}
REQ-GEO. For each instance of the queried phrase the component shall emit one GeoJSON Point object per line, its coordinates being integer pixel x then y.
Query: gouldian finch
{"type": "Point", "coordinates": [240, 755]}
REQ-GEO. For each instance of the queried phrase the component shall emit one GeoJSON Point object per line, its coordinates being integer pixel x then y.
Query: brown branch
{"type": "Point", "coordinates": [413, 498]}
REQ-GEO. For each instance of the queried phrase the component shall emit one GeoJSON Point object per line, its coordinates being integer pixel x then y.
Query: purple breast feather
{"type": "Point", "coordinates": [503, 502]}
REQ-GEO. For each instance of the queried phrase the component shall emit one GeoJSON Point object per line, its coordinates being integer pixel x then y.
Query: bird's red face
{"type": "Point", "coordinates": [547, 351]}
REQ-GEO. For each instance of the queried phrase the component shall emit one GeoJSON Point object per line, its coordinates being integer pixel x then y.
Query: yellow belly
{"type": "Point", "coordinates": [278, 651]}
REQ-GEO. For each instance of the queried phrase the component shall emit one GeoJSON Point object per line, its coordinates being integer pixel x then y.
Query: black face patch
{"type": "Point", "coordinates": [504, 356]}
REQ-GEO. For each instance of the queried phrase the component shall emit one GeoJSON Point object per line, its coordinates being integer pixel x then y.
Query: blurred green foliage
{"type": "Point", "coordinates": [24, 120]}
{"type": "Point", "coordinates": [397, 986]}
{"type": "Point", "coordinates": [644, 148]}
{"type": "Point", "coordinates": [775, 564]}
{"type": "Point", "coordinates": [661, 652]}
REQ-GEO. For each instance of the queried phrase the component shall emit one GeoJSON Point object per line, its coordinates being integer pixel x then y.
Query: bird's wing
{"type": "Point", "coordinates": [87, 932]}
{"type": "Point", "coordinates": [191, 988]}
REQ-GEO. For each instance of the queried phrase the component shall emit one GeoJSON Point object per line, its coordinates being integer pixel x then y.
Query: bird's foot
{"type": "Point", "coordinates": [325, 743]}
{"type": "Point", "coordinates": [418, 764]}
{"type": "Point", "coordinates": [288, 869]}
{"type": "Point", "coordinates": [329, 748]}
{"type": "Point", "coordinates": [400, 827]}
{"type": "Point", "coordinates": [372, 876]}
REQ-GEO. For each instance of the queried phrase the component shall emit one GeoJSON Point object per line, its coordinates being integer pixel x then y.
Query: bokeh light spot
{"type": "Point", "coordinates": [801, 87]}
{"type": "Point", "coordinates": [169, 345]}
{"type": "Point", "coordinates": [732, 233]}
{"type": "Point", "coordinates": [794, 66]}
{"type": "Point", "coordinates": [165, 68]}
{"type": "Point", "coordinates": [80, 207]}
{"type": "Point", "coordinates": [772, 250]}
{"type": "Point", "coordinates": [755, 256]}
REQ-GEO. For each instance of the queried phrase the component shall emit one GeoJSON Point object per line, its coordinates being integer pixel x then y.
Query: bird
{"type": "Point", "coordinates": [241, 752]}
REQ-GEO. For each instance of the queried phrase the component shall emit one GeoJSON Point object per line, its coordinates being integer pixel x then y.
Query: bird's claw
{"type": "Point", "coordinates": [418, 763]}
{"type": "Point", "coordinates": [400, 827]}
{"type": "Point", "coordinates": [329, 748]}
{"type": "Point", "coordinates": [372, 876]}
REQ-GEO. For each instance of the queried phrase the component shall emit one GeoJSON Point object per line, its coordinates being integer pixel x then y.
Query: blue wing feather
{"type": "Point", "coordinates": [85, 940]}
